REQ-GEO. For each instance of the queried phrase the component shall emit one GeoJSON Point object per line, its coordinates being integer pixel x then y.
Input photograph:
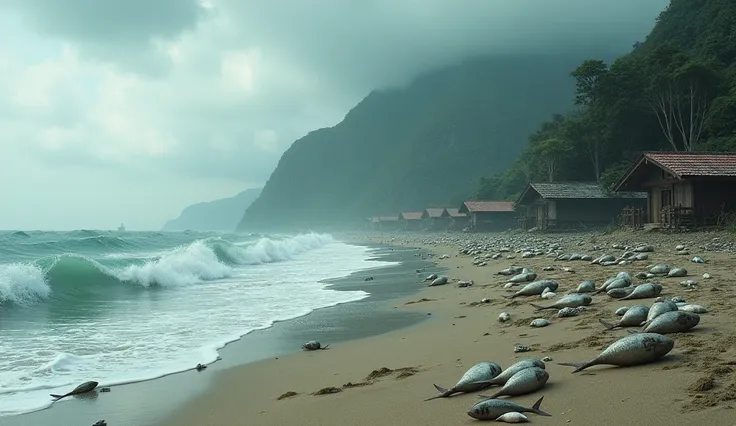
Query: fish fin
{"type": "Point", "coordinates": [536, 408]}
{"type": "Point", "coordinates": [325, 346]}
{"type": "Point", "coordinates": [608, 325]}
{"type": "Point", "coordinates": [537, 307]}
{"type": "Point", "coordinates": [481, 396]}
{"type": "Point", "coordinates": [579, 366]}
{"type": "Point", "coordinates": [444, 393]}
{"type": "Point", "coordinates": [58, 397]}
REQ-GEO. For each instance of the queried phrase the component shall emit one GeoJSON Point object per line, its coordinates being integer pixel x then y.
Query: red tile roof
{"type": "Point", "coordinates": [453, 212]}
{"type": "Point", "coordinates": [489, 206]}
{"type": "Point", "coordinates": [695, 164]}
{"type": "Point", "coordinates": [434, 212]}
{"type": "Point", "coordinates": [411, 215]}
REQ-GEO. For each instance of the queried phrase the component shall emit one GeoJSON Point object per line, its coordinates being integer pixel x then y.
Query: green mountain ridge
{"type": "Point", "coordinates": [426, 144]}
{"type": "Point", "coordinates": [217, 215]}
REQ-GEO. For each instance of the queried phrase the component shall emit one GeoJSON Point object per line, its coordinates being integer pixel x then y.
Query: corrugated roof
{"type": "Point", "coordinates": [489, 206]}
{"type": "Point", "coordinates": [411, 215]}
{"type": "Point", "coordinates": [434, 212]}
{"type": "Point", "coordinates": [579, 191]}
{"type": "Point", "coordinates": [453, 212]}
{"type": "Point", "coordinates": [696, 164]}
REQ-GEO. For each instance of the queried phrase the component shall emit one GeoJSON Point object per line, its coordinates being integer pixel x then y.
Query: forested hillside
{"type": "Point", "coordinates": [674, 91]}
{"type": "Point", "coordinates": [422, 145]}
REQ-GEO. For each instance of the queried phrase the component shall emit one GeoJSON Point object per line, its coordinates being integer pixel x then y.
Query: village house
{"type": "Point", "coordinates": [436, 218]}
{"type": "Point", "coordinates": [458, 221]}
{"type": "Point", "coordinates": [489, 215]}
{"type": "Point", "coordinates": [685, 188]}
{"type": "Point", "coordinates": [572, 204]}
{"type": "Point", "coordinates": [412, 220]}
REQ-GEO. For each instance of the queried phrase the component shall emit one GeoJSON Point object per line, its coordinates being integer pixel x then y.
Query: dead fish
{"type": "Point", "coordinates": [491, 409]}
{"type": "Point", "coordinates": [513, 369]}
{"type": "Point", "coordinates": [677, 272]}
{"type": "Point", "coordinates": [464, 283]}
{"type": "Point", "coordinates": [603, 258]}
{"type": "Point", "coordinates": [659, 308]}
{"type": "Point", "coordinates": [635, 349]}
{"type": "Point", "coordinates": [513, 417]}
{"type": "Point", "coordinates": [622, 310]}
{"type": "Point", "coordinates": [570, 312]}
{"type": "Point", "coordinates": [572, 300]}
{"type": "Point", "coordinates": [697, 259]}
{"type": "Point", "coordinates": [539, 322]}
{"type": "Point", "coordinates": [614, 283]}
{"type": "Point", "coordinates": [644, 291]}
{"type": "Point", "coordinates": [644, 249]}
{"type": "Point", "coordinates": [525, 381]}
{"type": "Point", "coordinates": [534, 288]}
{"type": "Point", "coordinates": [524, 277]}
{"type": "Point", "coordinates": [659, 269]}
{"type": "Point", "coordinates": [480, 372]}
{"type": "Point", "coordinates": [672, 322]}
{"type": "Point", "coordinates": [504, 317]}
{"type": "Point", "coordinates": [83, 388]}
{"type": "Point", "coordinates": [618, 293]}
{"type": "Point", "coordinates": [438, 281]}
{"type": "Point", "coordinates": [641, 256]}
{"type": "Point", "coordinates": [431, 277]}
{"type": "Point", "coordinates": [513, 270]}
{"type": "Point", "coordinates": [697, 309]}
{"type": "Point", "coordinates": [314, 345]}
{"type": "Point", "coordinates": [633, 317]}
{"type": "Point", "coordinates": [586, 287]}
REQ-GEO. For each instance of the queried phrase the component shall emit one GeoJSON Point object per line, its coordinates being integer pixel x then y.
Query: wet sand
{"type": "Point", "coordinates": [384, 379]}
{"type": "Point", "coordinates": [151, 402]}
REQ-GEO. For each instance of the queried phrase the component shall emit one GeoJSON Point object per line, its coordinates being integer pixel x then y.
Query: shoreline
{"type": "Point", "coordinates": [149, 401]}
{"type": "Point", "coordinates": [380, 379]}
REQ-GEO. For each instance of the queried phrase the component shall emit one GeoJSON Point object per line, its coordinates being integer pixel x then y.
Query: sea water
{"type": "Point", "coordinates": [123, 307]}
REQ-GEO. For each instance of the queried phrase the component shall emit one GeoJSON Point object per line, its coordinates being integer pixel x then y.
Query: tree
{"type": "Point", "coordinates": [549, 152]}
{"type": "Point", "coordinates": [679, 94]}
{"type": "Point", "coordinates": [589, 79]}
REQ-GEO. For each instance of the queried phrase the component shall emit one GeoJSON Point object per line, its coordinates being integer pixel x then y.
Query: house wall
{"type": "Point", "coordinates": [712, 197]}
{"type": "Point", "coordinates": [494, 221]}
{"type": "Point", "coordinates": [592, 212]}
{"type": "Point", "coordinates": [413, 224]}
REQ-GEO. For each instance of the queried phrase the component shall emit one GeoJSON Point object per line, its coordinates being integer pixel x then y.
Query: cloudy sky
{"type": "Point", "coordinates": [129, 110]}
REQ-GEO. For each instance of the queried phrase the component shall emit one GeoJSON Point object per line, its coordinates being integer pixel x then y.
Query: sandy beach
{"type": "Point", "coordinates": [384, 379]}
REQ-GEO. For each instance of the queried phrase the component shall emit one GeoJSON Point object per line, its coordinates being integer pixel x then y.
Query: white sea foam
{"type": "Point", "coordinates": [110, 342]}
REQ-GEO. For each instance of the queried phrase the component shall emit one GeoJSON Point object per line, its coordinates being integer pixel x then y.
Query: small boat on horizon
{"type": "Point", "coordinates": [121, 228]}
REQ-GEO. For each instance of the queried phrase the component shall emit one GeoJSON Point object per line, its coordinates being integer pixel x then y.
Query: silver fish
{"type": "Point", "coordinates": [480, 372]}
{"type": "Point", "coordinates": [635, 349]}
{"type": "Point", "coordinates": [572, 300]}
{"type": "Point", "coordinates": [615, 283]}
{"type": "Point", "coordinates": [314, 345]}
{"type": "Point", "coordinates": [633, 317]}
{"type": "Point", "coordinates": [672, 322]}
{"type": "Point", "coordinates": [523, 382]}
{"type": "Point", "coordinates": [513, 417]}
{"type": "Point", "coordinates": [438, 281]}
{"type": "Point", "coordinates": [524, 277]}
{"type": "Point", "coordinates": [534, 288]}
{"type": "Point", "coordinates": [491, 409]}
{"type": "Point", "coordinates": [513, 270]}
{"type": "Point", "coordinates": [677, 272]}
{"type": "Point", "coordinates": [513, 369]}
{"type": "Point", "coordinates": [83, 388]}
{"type": "Point", "coordinates": [659, 269]}
{"type": "Point", "coordinates": [618, 293]}
{"type": "Point", "coordinates": [431, 277]}
{"type": "Point", "coordinates": [698, 309]}
{"type": "Point", "coordinates": [586, 287]}
{"type": "Point", "coordinates": [659, 308]}
{"type": "Point", "coordinates": [643, 291]}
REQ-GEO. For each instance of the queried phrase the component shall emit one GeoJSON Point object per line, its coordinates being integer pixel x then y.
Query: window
{"type": "Point", "coordinates": [666, 197]}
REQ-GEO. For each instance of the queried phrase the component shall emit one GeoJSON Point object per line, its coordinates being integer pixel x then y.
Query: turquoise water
{"type": "Point", "coordinates": [123, 307]}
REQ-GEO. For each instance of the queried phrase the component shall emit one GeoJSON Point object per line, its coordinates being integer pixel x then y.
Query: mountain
{"type": "Point", "coordinates": [217, 215]}
{"type": "Point", "coordinates": [425, 144]}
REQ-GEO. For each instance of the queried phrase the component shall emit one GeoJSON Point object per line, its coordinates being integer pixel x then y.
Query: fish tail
{"type": "Point", "coordinates": [481, 396]}
{"type": "Point", "coordinates": [325, 346]}
{"type": "Point", "coordinates": [579, 366]}
{"type": "Point", "coordinates": [509, 297]}
{"type": "Point", "coordinates": [58, 397]}
{"type": "Point", "coordinates": [539, 308]}
{"type": "Point", "coordinates": [444, 393]}
{"type": "Point", "coordinates": [536, 408]}
{"type": "Point", "coordinates": [608, 325]}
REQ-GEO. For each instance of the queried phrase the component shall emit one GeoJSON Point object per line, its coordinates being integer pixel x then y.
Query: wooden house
{"type": "Point", "coordinates": [489, 215]}
{"type": "Point", "coordinates": [389, 223]}
{"type": "Point", "coordinates": [458, 221]}
{"type": "Point", "coordinates": [412, 220]}
{"type": "Point", "coordinates": [684, 188]}
{"type": "Point", "coordinates": [435, 218]}
{"type": "Point", "coordinates": [573, 204]}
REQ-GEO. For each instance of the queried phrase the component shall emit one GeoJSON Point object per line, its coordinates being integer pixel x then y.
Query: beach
{"type": "Point", "coordinates": [384, 379]}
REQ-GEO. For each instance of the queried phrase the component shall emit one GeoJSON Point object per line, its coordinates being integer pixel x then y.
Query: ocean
{"type": "Point", "coordinates": [122, 307]}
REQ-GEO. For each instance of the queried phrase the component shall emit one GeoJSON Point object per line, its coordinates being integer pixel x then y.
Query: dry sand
{"type": "Point", "coordinates": [383, 380]}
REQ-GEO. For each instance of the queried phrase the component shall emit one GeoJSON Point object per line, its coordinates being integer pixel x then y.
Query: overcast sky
{"type": "Point", "coordinates": [129, 110]}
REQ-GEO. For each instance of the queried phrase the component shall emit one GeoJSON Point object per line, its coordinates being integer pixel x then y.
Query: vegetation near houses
{"type": "Point", "coordinates": [675, 91]}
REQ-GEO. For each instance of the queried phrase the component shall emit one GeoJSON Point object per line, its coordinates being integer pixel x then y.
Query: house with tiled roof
{"type": "Point", "coordinates": [573, 204]}
{"type": "Point", "coordinates": [458, 220]}
{"type": "Point", "coordinates": [435, 218]}
{"type": "Point", "coordinates": [489, 215]}
{"type": "Point", "coordinates": [412, 220]}
{"type": "Point", "coordinates": [684, 188]}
